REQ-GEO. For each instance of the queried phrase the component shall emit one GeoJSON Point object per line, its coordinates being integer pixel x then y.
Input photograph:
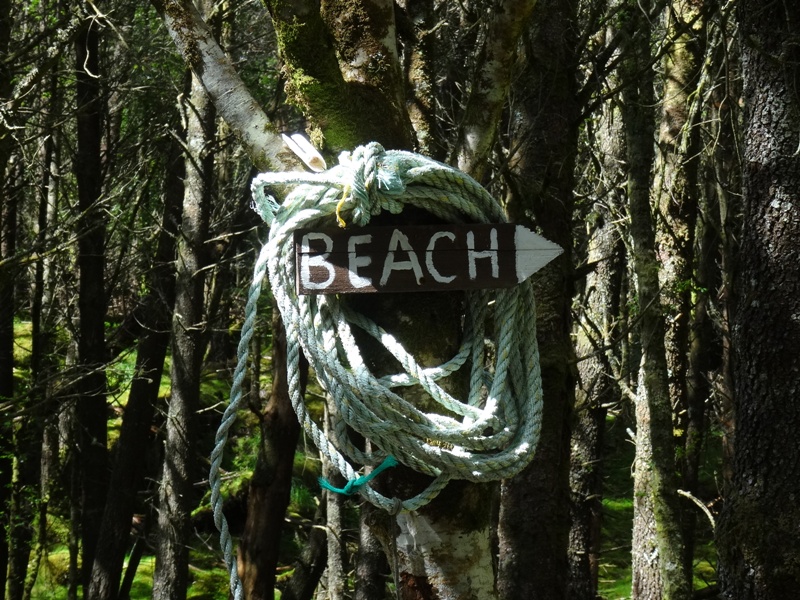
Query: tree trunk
{"type": "Point", "coordinates": [91, 409]}
{"type": "Point", "coordinates": [452, 561]}
{"type": "Point", "coordinates": [7, 451]}
{"type": "Point", "coordinates": [271, 484]}
{"type": "Point", "coordinates": [335, 572]}
{"type": "Point", "coordinates": [533, 551]}
{"type": "Point", "coordinates": [419, 63]}
{"type": "Point", "coordinates": [595, 390]}
{"type": "Point", "coordinates": [491, 83]}
{"type": "Point", "coordinates": [348, 101]}
{"type": "Point", "coordinates": [657, 555]}
{"type": "Point", "coordinates": [308, 569]}
{"type": "Point", "coordinates": [757, 531]}
{"type": "Point", "coordinates": [677, 190]}
{"type": "Point", "coordinates": [10, 529]}
{"type": "Point", "coordinates": [371, 566]}
{"type": "Point", "coordinates": [7, 229]}
{"type": "Point", "coordinates": [127, 473]}
{"type": "Point", "coordinates": [176, 493]}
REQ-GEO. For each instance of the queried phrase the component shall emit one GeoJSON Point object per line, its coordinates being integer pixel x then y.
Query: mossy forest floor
{"type": "Point", "coordinates": [209, 580]}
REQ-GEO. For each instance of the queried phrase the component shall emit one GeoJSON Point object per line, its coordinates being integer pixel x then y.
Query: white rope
{"type": "Point", "coordinates": [493, 431]}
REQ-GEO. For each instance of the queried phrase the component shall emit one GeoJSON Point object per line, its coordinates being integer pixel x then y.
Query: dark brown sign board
{"type": "Point", "coordinates": [417, 258]}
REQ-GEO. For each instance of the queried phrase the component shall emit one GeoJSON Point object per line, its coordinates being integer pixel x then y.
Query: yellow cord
{"type": "Point", "coordinates": [339, 206]}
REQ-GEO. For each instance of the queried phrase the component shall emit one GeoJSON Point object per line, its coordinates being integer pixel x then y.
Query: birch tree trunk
{"type": "Point", "coordinates": [757, 532]}
{"type": "Point", "coordinates": [491, 82]}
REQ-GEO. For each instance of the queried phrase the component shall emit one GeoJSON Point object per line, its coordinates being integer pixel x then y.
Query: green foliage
{"type": "Point", "coordinates": [302, 501]}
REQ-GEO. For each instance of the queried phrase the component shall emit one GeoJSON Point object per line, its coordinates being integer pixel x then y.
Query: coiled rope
{"type": "Point", "coordinates": [491, 434]}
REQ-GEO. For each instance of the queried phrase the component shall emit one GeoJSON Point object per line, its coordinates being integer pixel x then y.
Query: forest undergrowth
{"type": "Point", "coordinates": [209, 580]}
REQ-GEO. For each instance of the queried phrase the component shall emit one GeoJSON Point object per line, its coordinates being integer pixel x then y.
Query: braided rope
{"type": "Point", "coordinates": [494, 432]}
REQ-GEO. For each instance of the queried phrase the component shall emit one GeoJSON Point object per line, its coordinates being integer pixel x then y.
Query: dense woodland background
{"type": "Point", "coordinates": [655, 140]}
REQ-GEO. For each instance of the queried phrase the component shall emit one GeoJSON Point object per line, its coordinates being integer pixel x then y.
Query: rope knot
{"type": "Point", "coordinates": [375, 182]}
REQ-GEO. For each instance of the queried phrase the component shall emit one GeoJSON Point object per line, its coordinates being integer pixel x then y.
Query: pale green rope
{"type": "Point", "coordinates": [492, 434]}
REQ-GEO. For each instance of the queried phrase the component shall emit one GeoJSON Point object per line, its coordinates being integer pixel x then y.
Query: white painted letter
{"type": "Point", "coordinates": [412, 264]}
{"type": "Point", "coordinates": [429, 256]}
{"type": "Point", "coordinates": [490, 254]}
{"type": "Point", "coordinates": [307, 261]}
{"type": "Point", "coordinates": [354, 261]}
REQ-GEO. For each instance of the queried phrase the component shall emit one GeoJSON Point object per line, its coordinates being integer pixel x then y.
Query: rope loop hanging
{"type": "Point", "coordinates": [490, 434]}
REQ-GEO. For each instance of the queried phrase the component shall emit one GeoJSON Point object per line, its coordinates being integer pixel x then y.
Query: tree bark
{"type": "Point", "coordinates": [658, 549]}
{"type": "Point", "coordinates": [91, 409]}
{"type": "Point", "coordinates": [232, 100]}
{"type": "Point", "coordinates": [491, 83]}
{"type": "Point", "coordinates": [352, 100]}
{"type": "Point", "coordinates": [271, 484]}
{"type": "Point", "coordinates": [596, 389]}
{"type": "Point", "coordinates": [176, 494]}
{"type": "Point", "coordinates": [308, 569]}
{"type": "Point", "coordinates": [533, 551]}
{"type": "Point", "coordinates": [7, 229]}
{"type": "Point", "coordinates": [676, 190]}
{"type": "Point", "coordinates": [757, 531]}
{"type": "Point", "coordinates": [7, 250]}
{"type": "Point", "coordinates": [419, 61]}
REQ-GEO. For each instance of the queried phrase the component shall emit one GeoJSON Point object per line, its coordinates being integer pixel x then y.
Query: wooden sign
{"type": "Point", "coordinates": [417, 258]}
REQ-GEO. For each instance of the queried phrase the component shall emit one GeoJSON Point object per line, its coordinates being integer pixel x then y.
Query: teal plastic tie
{"type": "Point", "coordinates": [353, 485]}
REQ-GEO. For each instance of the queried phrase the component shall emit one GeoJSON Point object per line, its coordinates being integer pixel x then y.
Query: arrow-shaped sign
{"type": "Point", "coordinates": [416, 258]}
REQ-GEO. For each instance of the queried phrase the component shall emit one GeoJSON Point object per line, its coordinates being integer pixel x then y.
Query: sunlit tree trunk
{"type": "Point", "coordinates": [757, 533]}
{"type": "Point", "coordinates": [676, 190]}
{"type": "Point", "coordinates": [657, 553]}
{"type": "Point", "coordinates": [419, 60]}
{"type": "Point", "coordinates": [491, 82]}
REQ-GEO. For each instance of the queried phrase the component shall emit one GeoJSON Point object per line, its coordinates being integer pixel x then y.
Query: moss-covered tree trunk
{"type": "Point", "coordinates": [676, 189]}
{"type": "Point", "coordinates": [657, 553]}
{"type": "Point", "coordinates": [442, 550]}
{"type": "Point", "coordinates": [342, 68]}
{"type": "Point", "coordinates": [758, 536]}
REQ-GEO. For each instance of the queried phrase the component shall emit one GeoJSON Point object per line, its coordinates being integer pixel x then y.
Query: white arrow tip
{"type": "Point", "coordinates": [533, 252]}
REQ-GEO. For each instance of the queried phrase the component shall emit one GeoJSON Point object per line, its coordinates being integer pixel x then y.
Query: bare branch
{"type": "Point", "coordinates": [227, 91]}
